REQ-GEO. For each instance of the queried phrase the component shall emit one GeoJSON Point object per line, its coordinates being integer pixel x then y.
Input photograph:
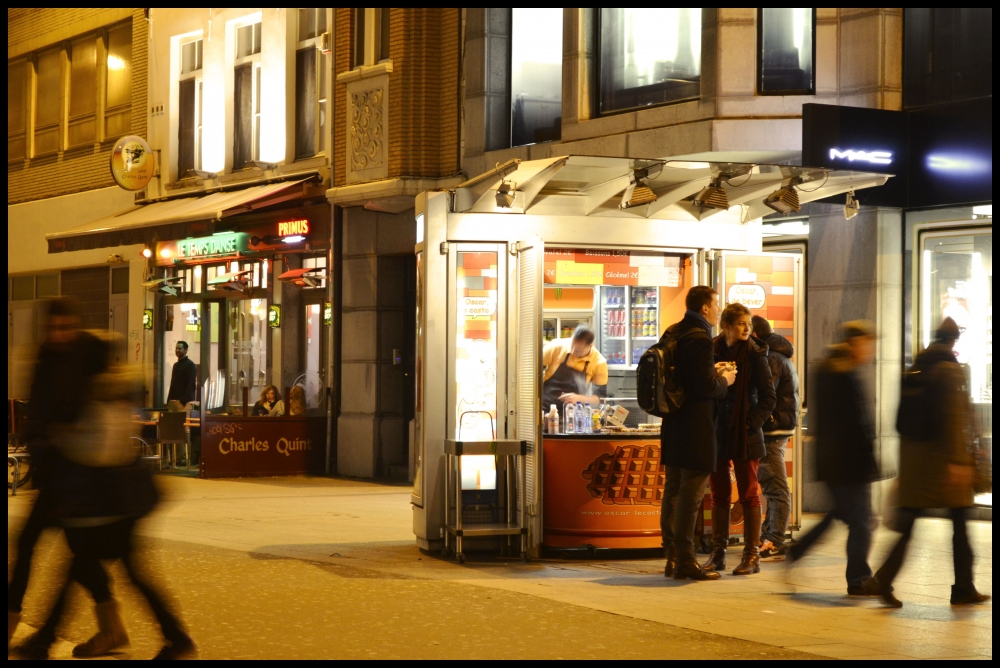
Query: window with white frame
{"type": "Point", "coordinates": [370, 35]}
{"type": "Point", "coordinates": [316, 262]}
{"type": "Point", "coordinates": [189, 118]}
{"type": "Point", "coordinates": [246, 96]}
{"type": "Point", "coordinates": [312, 65]}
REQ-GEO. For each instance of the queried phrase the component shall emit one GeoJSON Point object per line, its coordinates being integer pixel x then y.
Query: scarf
{"type": "Point", "coordinates": [736, 429]}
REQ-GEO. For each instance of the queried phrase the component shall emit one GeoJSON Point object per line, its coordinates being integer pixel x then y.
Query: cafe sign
{"type": "Point", "coordinates": [751, 296]}
{"type": "Point", "coordinates": [132, 163]}
{"type": "Point", "coordinates": [217, 245]}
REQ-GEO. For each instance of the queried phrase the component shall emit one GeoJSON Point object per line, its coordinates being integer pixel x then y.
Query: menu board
{"type": "Point", "coordinates": [566, 266]}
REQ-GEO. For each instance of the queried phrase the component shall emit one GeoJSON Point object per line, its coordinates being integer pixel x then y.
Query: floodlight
{"type": "Point", "coordinates": [505, 195]}
{"type": "Point", "coordinates": [712, 196]}
{"type": "Point", "coordinates": [851, 207]}
{"type": "Point", "coordinates": [784, 200]}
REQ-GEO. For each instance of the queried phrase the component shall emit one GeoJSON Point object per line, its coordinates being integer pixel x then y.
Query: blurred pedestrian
{"type": "Point", "coordinates": [183, 376]}
{"type": "Point", "coordinates": [742, 413]}
{"type": "Point", "coordinates": [687, 437]}
{"type": "Point", "coordinates": [99, 490]}
{"type": "Point", "coordinates": [844, 432]}
{"type": "Point", "coordinates": [67, 359]}
{"type": "Point", "coordinates": [936, 460]}
{"type": "Point", "coordinates": [778, 429]}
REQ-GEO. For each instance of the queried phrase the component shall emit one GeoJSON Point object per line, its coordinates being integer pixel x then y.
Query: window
{"type": "Point", "coordinates": [535, 75]}
{"type": "Point", "coordinates": [189, 107]}
{"type": "Point", "coordinates": [786, 44]}
{"type": "Point", "coordinates": [648, 56]}
{"type": "Point", "coordinates": [118, 103]}
{"type": "Point", "coordinates": [370, 36]}
{"type": "Point", "coordinates": [42, 286]}
{"type": "Point", "coordinates": [17, 109]}
{"type": "Point", "coordinates": [311, 71]}
{"type": "Point", "coordinates": [83, 91]}
{"type": "Point", "coordinates": [317, 262]}
{"type": "Point", "coordinates": [947, 55]}
{"type": "Point", "coordinates": [247, 96]}
{"type": "Point", "coordinates": [47, 102]}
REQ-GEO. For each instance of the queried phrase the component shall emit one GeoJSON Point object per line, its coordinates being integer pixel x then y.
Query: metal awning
{"type": "Point", "coordinates": [160, 221]}
{"type": "Point", "coordinates": [596, 186]}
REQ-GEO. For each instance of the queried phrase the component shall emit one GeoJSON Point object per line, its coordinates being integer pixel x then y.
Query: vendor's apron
{"type": "Point", "coordinates": [565, 379]}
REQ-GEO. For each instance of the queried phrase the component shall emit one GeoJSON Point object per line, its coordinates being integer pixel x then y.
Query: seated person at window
{"type": "Point", "coordinates": [270, 404]}
{"type": "Point", "coordinates": [297, 401]}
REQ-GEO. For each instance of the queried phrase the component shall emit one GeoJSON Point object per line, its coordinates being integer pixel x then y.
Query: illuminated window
{"type": "Point", "coordinates": [317, 262]}
{"type": "Point", "coordinates": [649, 56]}
{"type": "Point", "coordinates": [82, 91]}
{"type": "Point", "coordinates": [369, 35]}
{"type": "Point", "coordinates": [312, 67]}
{"type": "Point", "coordinates": [247, 96]}
{"type": "Point", "coordinates": [248, 40]}
{"type": "Point", "coordinates": [535, 75]}
{"type": "Point", "coordinates": [118, 100]}
{"type": "Point", "coordinates": [786, 40]}
{"type": "Point", "coordinates": [17, 109]}
{"type": "Point", "coordinates": [48, 94]}
{"type": "Point", "coordinates": [189, 102]}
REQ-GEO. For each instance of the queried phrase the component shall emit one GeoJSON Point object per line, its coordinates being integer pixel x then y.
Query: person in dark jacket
{"type": "Point", "coordinates": [67, 360]}
{"type": "Point", "coordinates": [844, 433]}
{"type": "Point", "coordinates": [937, 471]}
{"type": "Point", "coordinates": [778, 429]}
{"type": "Point", "coordinates": [183, 377]}
{"type": "Point", "coordinates": [742, 413]}
{"type": "Point", "coordinates": [687, 437]}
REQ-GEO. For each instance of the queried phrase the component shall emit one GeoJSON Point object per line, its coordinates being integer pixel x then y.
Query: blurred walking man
{"type": "Point", "coordinates": [772, 475]}
{"type": "Point", "coordinates": [844, 431]}
{"type": "Point", "coordinates": [687, 437]}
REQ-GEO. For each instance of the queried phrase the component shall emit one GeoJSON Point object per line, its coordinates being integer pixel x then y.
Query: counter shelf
{"type": "Point", "coordinates": [514, 471]}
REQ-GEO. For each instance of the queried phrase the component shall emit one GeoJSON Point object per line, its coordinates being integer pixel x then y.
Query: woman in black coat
{"type": "Point", "coordinates": [742, 414]}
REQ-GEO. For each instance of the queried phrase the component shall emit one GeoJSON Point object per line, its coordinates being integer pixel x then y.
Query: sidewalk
{"type": "Point", "coordinates": [363, 530]}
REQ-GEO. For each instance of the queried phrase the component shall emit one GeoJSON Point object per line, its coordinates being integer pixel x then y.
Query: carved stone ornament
{"type": "Point", "coordinates": [367, 129]}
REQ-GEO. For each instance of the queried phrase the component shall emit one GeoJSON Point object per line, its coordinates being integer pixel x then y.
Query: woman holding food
{"type": "Point", "coordinates": [741, 415]}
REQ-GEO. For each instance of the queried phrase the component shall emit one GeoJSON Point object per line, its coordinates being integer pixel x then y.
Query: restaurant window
{"type": "Point", "coordinates": [183, 322]}
{"type": "Point", "coordinates": [317, 262]}
{"type": "Point", "coordinates": [535, 75]}
{"type": "Point", "coordinates": [648, 56]}
{"type": "Point", "coordinates": [48, 97]}
{"type": "Point", "coordinates": [17, 109]}
{"type": "Point", "coordinates": [189, 102]}
{"type": "Point", "coordinates": [247, 349]}
{"type": "Point", "coordinates": [786, 43]}
{"type": "Point", "coordinates": [247, 96]}
{"type": "Point", "coordinates": [370, 35]}
{"type": "Point", "coordinates": [311, 71]}
{"type": "Point", "coordinates": [947, 54]}
{"type": "Point", "coordinates": [118, 103]}
{"type": "Point", "coordinates": [82, 91]}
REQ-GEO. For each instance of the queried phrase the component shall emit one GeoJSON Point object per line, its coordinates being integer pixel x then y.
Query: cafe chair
{"type": "Point", "coordinates": [170, 431]}
{"type": "Point", "coordinates": [146, 451]}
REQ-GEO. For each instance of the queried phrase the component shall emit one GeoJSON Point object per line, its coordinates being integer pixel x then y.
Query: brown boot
{"type": "Point", "coordinates": [12, 620]}
{"type": "Point", "coordinates": [720, 539]}
{"type": "Point", "coordinates": [110, 634]}
{"type": "Point", "coordinates": [751, 538]}
{"type": "Point", "coordinates": [668, 570]}
{"type": "Point", "coordinates": [688, 569]}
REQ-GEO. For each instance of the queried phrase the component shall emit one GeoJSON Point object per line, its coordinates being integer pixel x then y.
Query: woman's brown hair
{"type": "Point", "coordinates": [263, 394]}
{"type": "Point", "coordinates": [732, 313]}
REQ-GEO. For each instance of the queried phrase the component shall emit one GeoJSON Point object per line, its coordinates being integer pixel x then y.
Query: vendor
{"type": "Point", "coordinates": [575, 371]}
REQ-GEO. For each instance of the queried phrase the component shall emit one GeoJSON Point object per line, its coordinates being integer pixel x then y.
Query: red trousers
{"type": "Point", "coordinates": [746, 483]}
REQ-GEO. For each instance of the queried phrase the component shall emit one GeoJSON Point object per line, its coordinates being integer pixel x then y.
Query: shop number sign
{"type": "Point", "coordinates": [751, 296]}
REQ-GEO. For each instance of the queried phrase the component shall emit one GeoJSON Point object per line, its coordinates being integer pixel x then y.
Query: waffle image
{"type": "Point", "coordinates": [630, 476]}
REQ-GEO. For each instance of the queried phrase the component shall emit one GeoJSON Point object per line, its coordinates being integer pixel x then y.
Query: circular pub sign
{"type": "Point", "coordinates": [132, 163]}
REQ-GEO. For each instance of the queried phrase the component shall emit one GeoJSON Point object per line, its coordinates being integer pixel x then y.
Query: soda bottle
{"type": "Point", "coordinates": [570, 412]}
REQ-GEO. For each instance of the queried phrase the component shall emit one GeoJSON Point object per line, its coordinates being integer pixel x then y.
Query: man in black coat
{"type": "Point", "coordinates": [844, 441]}
{"type": "Point", "coordinates": [687, 437]}
{"type": "Point", "coordinates": [183, 377]}
{"type": "Point", "coordinates": [772, 475]}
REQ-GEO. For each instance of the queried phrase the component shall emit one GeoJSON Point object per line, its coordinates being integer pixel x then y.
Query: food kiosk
{"type": "Point", "coordinates": [520, 255]}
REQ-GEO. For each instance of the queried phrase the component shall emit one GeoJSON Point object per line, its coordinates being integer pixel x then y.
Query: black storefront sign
{"type": "Point", "coordinates": [941, 156]}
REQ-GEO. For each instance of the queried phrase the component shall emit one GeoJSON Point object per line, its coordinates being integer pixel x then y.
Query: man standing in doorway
{"type": "Point", "coordinates": [687, 437]}
{"type": "Point", "coordinates": [772, 475]}
{"type": "Point", "coordinates": [183, 378]}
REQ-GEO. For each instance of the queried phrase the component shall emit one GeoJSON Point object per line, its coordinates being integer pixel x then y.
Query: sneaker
{"type": "Point", "coordinates": [769, 550]}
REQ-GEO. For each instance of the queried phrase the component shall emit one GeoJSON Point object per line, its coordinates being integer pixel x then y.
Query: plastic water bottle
{"type": "Point", "coordinates": [579, 418]}
{"type": "Point", "coordinates": [570, 412]}
{"type": "Point", "coordinates": [588, 419]}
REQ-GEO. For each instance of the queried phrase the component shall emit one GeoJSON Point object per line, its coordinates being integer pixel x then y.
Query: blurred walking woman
{"type": "Point", "coordinates": [747, 405]}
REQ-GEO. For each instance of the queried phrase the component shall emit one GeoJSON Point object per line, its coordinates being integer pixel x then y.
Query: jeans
{"type": "Point", "coordinates": [746, 483]}
{"type": "Point", "coordinates": [773, 480]}
{"type": "Point", "coordinates": [682, 495]}
{"type": "Point", "coordinates": [852, 505]}
{"type": "Point", "coordinates": [37, 522]}
{"type": "Point", "coordinates": [960, 547]}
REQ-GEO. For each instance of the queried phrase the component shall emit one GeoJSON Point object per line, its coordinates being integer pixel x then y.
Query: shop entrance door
{"type": "Point", "coordinates": [771, 285]}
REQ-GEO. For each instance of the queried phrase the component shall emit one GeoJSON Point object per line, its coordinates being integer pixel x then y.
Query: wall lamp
{"type": "Point", "coordinates": [851, 207]}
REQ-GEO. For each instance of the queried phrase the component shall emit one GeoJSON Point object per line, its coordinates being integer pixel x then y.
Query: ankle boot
{"type": "Point", "coordinates": [688, 569]}
{"type": "Point", "coordinates": [668, 570]}
{"type": "Point", "coordinates": [720, 539]}
{"type": "Point", "coordinates": [110, 634]}
{"type": "Point", "coordinates": [751, 538]}
{"type": "Point", "coordinates": [12, 620]}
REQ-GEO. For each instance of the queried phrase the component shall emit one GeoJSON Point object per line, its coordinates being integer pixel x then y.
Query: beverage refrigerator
{"type": "Point", "coordinates": [629, 319]}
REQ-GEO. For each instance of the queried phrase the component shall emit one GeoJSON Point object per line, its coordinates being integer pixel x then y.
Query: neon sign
{"type": "Point", "coordinates": [873, 157]}
{"type": "Point", "coordinates": [293, 228]}
{"type": "Point", "coordinates": [218, 244]}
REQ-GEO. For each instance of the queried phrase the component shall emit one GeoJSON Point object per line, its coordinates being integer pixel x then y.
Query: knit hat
{"type": "Point", "coordinates": [855, 328]}
{"type": "Point", "coordinates": [948, 332]}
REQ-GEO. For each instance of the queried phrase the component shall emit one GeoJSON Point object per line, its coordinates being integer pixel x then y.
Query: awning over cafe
{"type": "Point", "coordinates": [170, 219]}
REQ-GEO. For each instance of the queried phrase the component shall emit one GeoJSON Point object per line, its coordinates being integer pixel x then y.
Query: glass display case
{"type": "Point", "coordinates": [630, 323]}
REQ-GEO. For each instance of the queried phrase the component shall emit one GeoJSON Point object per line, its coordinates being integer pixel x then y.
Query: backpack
{"type": "Point", "coordinates": [919, 406]}
{"type": "Point", "coordinates": [657, 390]}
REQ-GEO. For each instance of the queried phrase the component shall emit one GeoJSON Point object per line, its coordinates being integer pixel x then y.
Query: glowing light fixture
{"type": "Point", "coordinates": [784, 200]}
{"type": "Point", "coordinates": [147, 252]}
{"type": "Point", "coordinates": [294, 239]}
